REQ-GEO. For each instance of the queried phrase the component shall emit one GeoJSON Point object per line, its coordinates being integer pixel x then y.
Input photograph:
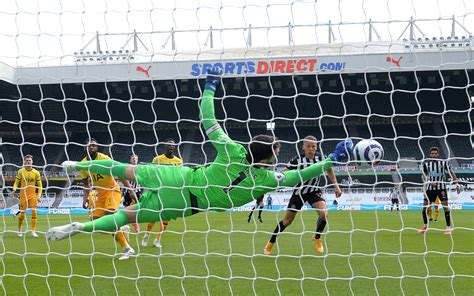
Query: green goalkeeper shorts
{"type": "Point", "coordinates": [167, 197]}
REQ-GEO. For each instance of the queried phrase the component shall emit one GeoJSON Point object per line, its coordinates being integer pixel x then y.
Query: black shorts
{"type": "Point", "coordinates": [259, 200]}
{"type": "Point", "coordinates": [433, 194]}
{"type": "Point", "coordinates": [395, 200]}
{"type": "Point", "coordinates": [127, 199]}
{"type": "Point", "coordinates": [297, 200]}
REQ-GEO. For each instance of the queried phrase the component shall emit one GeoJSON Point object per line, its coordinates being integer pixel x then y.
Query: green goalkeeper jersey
{"type": "Point", "coordinates": [231, 181]}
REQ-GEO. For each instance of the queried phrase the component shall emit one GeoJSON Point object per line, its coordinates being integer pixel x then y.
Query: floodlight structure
{"type": "Point", "coordinates": [101, 56]}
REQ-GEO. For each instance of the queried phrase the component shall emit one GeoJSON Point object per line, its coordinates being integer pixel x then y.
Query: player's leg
{"type": "Point", "coordinates": [146, 237]}
{"type": "Point", "coordinates": [319, 204]}
{"type": "Point", "coordinates": [147, 210]}
{"type": "Point", "coordinates": [397, 202]}
{"type": "Point", "coordinates": [34, 221]}
{"type": "Point", "coordinates": [424, 210]}
{"type": "Point", "coordinates": [21, 217]}
{"type": "Point", "coordinates": [436, 209]}
{"type": "Point", "coordinates": [251, 213]}
{"type": "Point", "coordinates": [260, 210]}
{"type": "Point", "coordinates": [447, 212]}
{"type": "Point", "coordinates": [136, 226]}
{"type": "Point", "coordinates": [159, 235]}
{"type": "Point", "coordinates": [430, 212]}
{"type": "Point", "coordinates": [290, 215]}
{"type": "Point", "coordinates": [112, 204]}
{"type": "Point", "coordinates": [111, 222]}
{"type": "Point", "coordinates": [33, 205]}
{"type": "Point", "coordinates": [294, 205]}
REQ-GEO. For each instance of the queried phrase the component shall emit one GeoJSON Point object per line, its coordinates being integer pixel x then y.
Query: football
{"type": "Point", "coordinates": [368, 152]}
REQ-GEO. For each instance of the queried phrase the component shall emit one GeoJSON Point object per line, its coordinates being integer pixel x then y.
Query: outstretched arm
{"type": "Point", "coordinates": [220, 140]}
{"type": "Point", "coordinates": [39, 185]}
{"type": "Point", "coordinates": [293, 177]}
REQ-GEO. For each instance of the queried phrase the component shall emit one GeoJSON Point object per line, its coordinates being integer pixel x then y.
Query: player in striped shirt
{"type": "Point", "coordinates": [167, 158]}
{"type": "Point", "coordinates": [435, 171]}
{"type": "Point", "coordinates": [395, 198]}
{"type": "Point", "coordinates": [128, 197]}
{"type": "Point", "coordinates": [28, 180]}
{"type": "Point", "coordinates": [308, 191]}
{"type": "Point", "coordinates": [258, 204]}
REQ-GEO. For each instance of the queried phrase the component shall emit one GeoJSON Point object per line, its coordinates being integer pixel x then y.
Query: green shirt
{"type": "Point", "coordinates": [230, 181]}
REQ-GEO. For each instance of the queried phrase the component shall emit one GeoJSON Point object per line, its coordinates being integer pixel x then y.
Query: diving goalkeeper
{"type": "Point", "coordinates": [236, 177]}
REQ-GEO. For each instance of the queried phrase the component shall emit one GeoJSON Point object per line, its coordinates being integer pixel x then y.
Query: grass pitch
{"type": "Point", "coordinates": [367, 253]}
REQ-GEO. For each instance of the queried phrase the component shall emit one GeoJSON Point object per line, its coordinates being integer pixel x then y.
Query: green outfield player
{"type": "Point", "coordinates": [236, 177]}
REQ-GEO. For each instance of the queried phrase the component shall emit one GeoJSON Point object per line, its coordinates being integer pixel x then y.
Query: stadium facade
{"type": "Point", "coordinates": [407, 95]}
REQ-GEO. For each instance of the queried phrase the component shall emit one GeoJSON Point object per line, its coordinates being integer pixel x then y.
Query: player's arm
{"type": "Point", "coordinates": [293, 177]}
{"type": "Point", "coordinates": [332, 177]}
{"type": "Point", "coordinates": [39, 186]}
{"type": "Point", "coordinates": [220, 140]}
{"type": "Point", "coordinates": [17, 181]}
{"type": "Point", "coordinates": [454, 178]}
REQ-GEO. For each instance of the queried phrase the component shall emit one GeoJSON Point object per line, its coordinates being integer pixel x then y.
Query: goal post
{"type": "Point", "coordinates": [131, 75]}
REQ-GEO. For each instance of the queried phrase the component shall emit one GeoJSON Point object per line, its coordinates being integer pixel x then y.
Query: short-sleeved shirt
{"type": "Point", "coordinates": [300, 162]}
{"type": "Point", "coordinates": [163, 159]}
{"type": "Point", "coordinates": [102, 183]}
{"type": "Point", "coordinates": [28, 181]}
{"type": "Point", "coordinates": [436, 171]}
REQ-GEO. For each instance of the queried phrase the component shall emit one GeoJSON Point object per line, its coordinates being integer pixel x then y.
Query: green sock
{"type": "Point", "coordinates": [105, 167]}
{"type": "Point", "coordinates": [107, 223]}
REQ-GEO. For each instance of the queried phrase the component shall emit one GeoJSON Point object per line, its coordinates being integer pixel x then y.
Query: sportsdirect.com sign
{"type": "Point", "coordinates": [263, 67]}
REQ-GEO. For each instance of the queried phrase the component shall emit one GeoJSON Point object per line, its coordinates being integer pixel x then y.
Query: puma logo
{"type": "Point", "coordinates": [141, 69]}
{"type": "Point", "coordinates": [396, 62]}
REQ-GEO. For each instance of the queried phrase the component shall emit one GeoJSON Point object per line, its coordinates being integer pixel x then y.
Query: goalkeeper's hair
{"type": "Point", "coordinates": [262, 147]}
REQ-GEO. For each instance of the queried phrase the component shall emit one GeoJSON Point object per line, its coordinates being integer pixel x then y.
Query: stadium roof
{"type": "Point", "coordinates": [421, 55]}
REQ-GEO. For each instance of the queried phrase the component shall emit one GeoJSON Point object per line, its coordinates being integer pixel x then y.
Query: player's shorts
{"type": "Point", "coordinates": [434, 194]}
{"type": "Point", "coordinates": [107, 202]}
{"type": "Point", "coordinates": [259, 200]}
{"type": "Point", "coordinates": [28, 203]}
{"type": "Point", "coordinates": [297, 200]}
{"type": "Point", "coordinates": [166, 204]}
{"type": "Point", "coordinates": [395, 200]}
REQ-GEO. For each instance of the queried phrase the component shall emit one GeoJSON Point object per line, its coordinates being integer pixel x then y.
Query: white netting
{"type": "Point", "coordinates": [127, 73]}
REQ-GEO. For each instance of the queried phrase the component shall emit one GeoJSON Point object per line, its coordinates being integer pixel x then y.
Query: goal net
{"type": "Point", "coordinates": [130, 75]}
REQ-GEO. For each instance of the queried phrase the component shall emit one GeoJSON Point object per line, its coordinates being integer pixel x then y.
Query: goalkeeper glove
{"type": "Point", "coordinates": [213, 78]}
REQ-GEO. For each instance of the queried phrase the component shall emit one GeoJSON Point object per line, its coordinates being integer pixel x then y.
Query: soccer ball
{"type": "Point", "coordinates": [368, 152]}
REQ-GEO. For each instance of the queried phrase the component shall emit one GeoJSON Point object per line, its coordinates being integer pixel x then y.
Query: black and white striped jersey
{"type": "Point", "coordinates": [301, 162]}
{"type": "Point", "coordinates": [436, 170]}
{"type": "Point", "coordinates": [135, 187]}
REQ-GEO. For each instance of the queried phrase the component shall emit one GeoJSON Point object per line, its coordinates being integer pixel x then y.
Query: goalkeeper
{"type": "Point", "coordinates": [235, 178]}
